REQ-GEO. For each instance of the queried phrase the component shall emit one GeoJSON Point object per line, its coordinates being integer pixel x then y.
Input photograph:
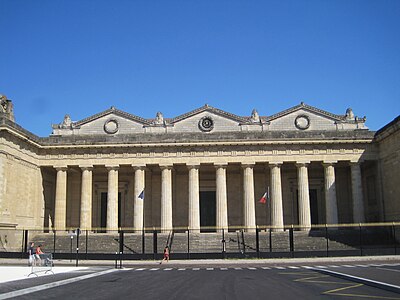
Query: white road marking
{"type": "Point", "coordinates": [52, 285]}
{"type": "Point", "coordinates": [280, 268]}
{"type": "Point", "coordinates": [210, 269]}
{"type": "Point", "coordinates": [266, 268]}
{"type": "Point", "coordinates": [154, 269]}
{"type": "Point", "coordinates": [333, 266]}
{"type": "Point", "coordinates": [182, 269]}
{"type": "Point", "coordinates": [167, 269]}
{"type": "Point", "coordinates": [140, 269]}
{"type": "Point", "coordinates": [293, 267]}
{"type": "Point", "coordinates": [306, 267]}
{"type": "Point", "coordinates": [321, 267]}
{"type": "Point", "coordinates": [250, 268]}
{"type": "Point", "coordinates": [196, 269]}
{"type": "Point", "coordinates": [391, 287]}
{"type": "Point", "coordinates": [223, 269]}
{"type": "Point", "coordinates": [238, 269]}
{"type": "Point", "coordinates": [348, 266]}
{"type": "Point", "coordinates": [389, 269]}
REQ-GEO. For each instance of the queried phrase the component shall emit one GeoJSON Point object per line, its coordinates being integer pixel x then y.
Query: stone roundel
{"type": "Point", "coordinates": [302, 122]}
{"type": "Point", "coordinates": [206, 124]}
{"type": "Point", "coordinates": [111, 126]}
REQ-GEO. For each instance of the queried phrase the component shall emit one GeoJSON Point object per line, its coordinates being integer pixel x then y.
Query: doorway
{"type": "Point", "coordinates": [103, 215]}
{"type": "Point", "coordinates": [314, 206]}
{"type": "Point", "coordinates": [208, 214]}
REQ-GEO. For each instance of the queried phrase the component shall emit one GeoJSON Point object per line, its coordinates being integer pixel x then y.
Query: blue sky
{"type": "Point", "coordinates": [81, 57]}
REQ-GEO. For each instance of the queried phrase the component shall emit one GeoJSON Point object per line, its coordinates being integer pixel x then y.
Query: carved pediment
{"type": "Point", "coordinates": [306, 117]}
{"type": "Point", "coordinates": [208, 119]}
{"type": "Point", "coordinates": [110, 121]}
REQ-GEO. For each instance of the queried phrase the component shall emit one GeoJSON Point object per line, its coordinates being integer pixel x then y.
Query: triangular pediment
{"type": "Point", "coordinates": [304, 108]}
{"type": "Point", "coordinates": [112, 112]}
{"type": "Point", "coordinates": [208, 109]}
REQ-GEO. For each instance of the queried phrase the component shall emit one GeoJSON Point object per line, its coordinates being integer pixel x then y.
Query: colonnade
{"type": "Point", "coordinates": [249, 214]}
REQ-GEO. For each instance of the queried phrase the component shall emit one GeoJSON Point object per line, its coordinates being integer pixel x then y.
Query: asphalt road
{"type": "Point", "coordinates": [204, 282]}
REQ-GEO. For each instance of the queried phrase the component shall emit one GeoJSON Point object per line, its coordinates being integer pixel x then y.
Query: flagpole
{"type": "Point", "coordinates": [269, 206]}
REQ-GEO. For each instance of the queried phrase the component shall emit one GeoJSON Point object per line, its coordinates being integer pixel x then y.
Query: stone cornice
{"type": "Point", "coordinates": [388, 129]}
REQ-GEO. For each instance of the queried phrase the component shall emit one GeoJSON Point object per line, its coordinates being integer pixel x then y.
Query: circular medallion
{"type": "Point", "coordinates": [302, 122]}
{"type": "Point", "coordinates": [111, 126]}
{"type": "Point", "coordinates": [206, 124]}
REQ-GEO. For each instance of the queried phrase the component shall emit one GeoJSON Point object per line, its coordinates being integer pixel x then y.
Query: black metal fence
{"type": "Point", "coordinates": [260, 242]}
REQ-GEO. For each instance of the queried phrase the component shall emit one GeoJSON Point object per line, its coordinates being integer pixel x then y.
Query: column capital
{"type": "Point", "coordinates": [138, 166]}
{"type": "Point", "coordinates": [193, 166]}
{"type": "Point", "coordinates": [166, 166]}
{"type": "Point", "coordinates": [300, 164]}
{"type": "Point", "coordinates": [112, 167]}
{"type": "Point", "coordinates": [355, 162]}
{"type": "Point", "coordinates": [327, 163]}
{"type": "Point", "coordinates": [275, 164]}
{"type": "Point", "coordinates": [220, 165]}
{"type": "Point", "coordinates": [247, 165]}
{"type": "Point", "coordinates": [86, 167]}
{"type": "Point", "coordinates": [61, 168]}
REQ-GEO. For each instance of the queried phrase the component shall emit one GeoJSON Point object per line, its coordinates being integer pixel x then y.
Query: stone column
{"type": "Point", "coordinates": [194, 199]}
{"type": "Point", "coordinates": [221, 198]}
{"type": "Point", "coordinates": [303, 196]}
{"type": "Point", "coordinates": [330, 194]}
{"type": "Point", "coordinates": [356, 188]}
{"type": "Point", "coordinates": [276, 197]}
{"type": "Point", "coordinates": [86, 198]}
{"type": "Point", "coordinates": [60, 209]}
{"type": "Point", "coordinates": [166, 198]}
{"type": "Point", "coordinates": [138, 203]}
{"type": "Point", "coordinates": [112, 199]}
{"type": "Point", "coordinates": [249, 210]}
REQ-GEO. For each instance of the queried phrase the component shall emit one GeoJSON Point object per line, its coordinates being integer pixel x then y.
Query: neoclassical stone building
{"type": "Point", "coordinates": [205, 168]}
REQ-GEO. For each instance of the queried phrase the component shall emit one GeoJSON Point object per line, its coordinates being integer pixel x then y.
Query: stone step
{"type": "Point", "coordinates": [212, 242]}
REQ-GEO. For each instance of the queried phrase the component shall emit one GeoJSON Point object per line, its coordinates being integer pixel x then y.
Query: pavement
{"type": "Point", "coordinates": [17, 269]}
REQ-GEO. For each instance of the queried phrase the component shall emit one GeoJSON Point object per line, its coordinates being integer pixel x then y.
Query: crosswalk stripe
{"type": "Point", "coordinates": [224, 269]}
{"type": "Point", "coordinates": [209, 269]}
{"type": "Point", "coordinates": [293, 267]}
{"type": "Point", "coordinates": [140, 269]}
{"type": "Point", "coordinates": [167, 269]}
{"type": "Point", "coordinates": [306, 267]}
{"type": "Point", "coordinates": [196, 269]}
{"type": "Point", "coordinates": [250, 268]}
{"type": "Point", "coordinates": [266, 268]}
{"type": "Point", "coordinates": [280, 268]}
{"type": "Point", "coordinates": [182, 269]}
{"type": "Point", "coordinates": [333, 266]}
{"type": "Point", "coordinates": [348, 266]}
{"type": "Point", "coordinates": [321, 267]}
{"type": "Point", "coordinates": [238, 269]}
{"type": "Point", "coordinates": [154, 269]}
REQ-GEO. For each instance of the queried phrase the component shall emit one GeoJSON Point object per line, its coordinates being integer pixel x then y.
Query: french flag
{"type": "Point", "coordinates": [263, 199]}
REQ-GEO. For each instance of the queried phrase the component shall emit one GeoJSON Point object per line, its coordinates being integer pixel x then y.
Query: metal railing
{"type": "Point", "coordinates": [232, 242]}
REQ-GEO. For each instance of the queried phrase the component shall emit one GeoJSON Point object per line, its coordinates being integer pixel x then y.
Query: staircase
{"type": "Point", "coordinates": [211, 242]}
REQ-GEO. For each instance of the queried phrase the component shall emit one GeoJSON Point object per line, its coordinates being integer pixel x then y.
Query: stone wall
{"type": "Point", "coordinates": [388, 139]}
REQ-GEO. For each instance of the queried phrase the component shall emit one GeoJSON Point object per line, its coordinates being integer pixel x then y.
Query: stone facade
{"type": "Point", "coordinates": [205, 168]}
{"type": "Point", "coordinates": [388, 139]}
